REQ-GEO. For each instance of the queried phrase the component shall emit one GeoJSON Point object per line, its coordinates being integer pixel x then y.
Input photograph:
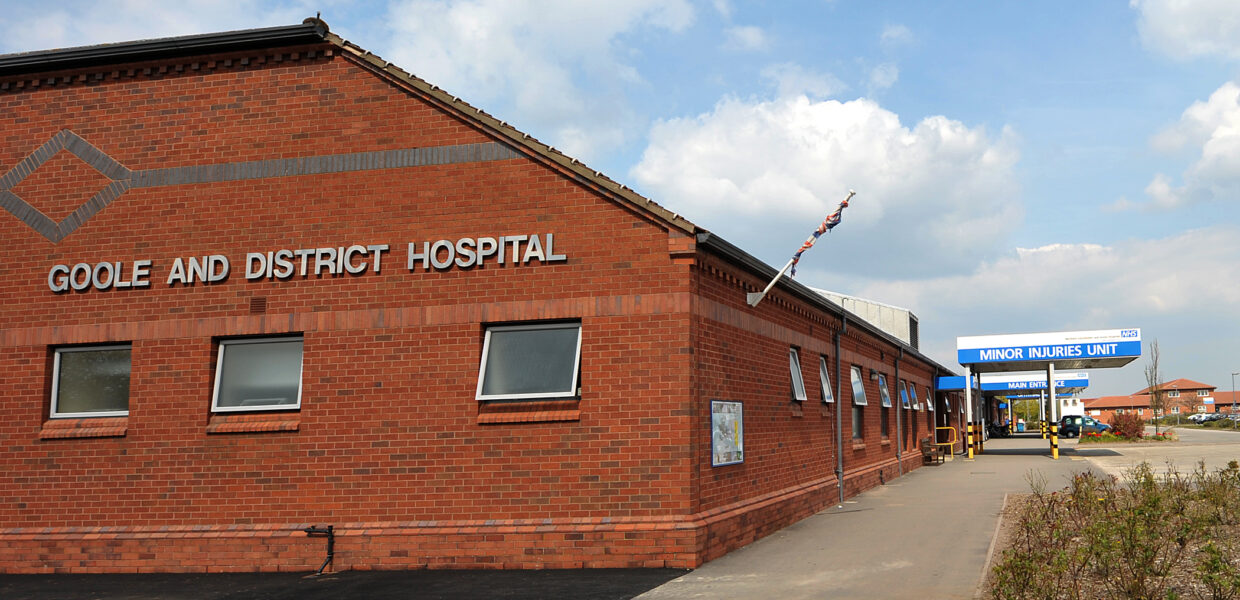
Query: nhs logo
{"type": "Point", "coordinates": [1130, 333]}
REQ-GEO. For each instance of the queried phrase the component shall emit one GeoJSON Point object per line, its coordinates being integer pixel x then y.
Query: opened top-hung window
{"type": "Point", "coordinates": [798, 382]}
{"type": "Point", "coordinates": [530, 361]}
{"type": "Point", "coordinates": [91, 381]}
{"type": "Point", "coordinates": [258, 374]}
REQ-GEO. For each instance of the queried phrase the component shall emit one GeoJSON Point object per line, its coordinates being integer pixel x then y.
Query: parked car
{"type": "Point", "coordinates": [1073, 425]}
{"type": "Point", "coordinates": [1197, 418]}
{"type": "Point", "coordinates": [1213, 417]}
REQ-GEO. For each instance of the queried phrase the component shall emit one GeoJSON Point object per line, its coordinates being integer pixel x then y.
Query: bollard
{"type": "Point", "coordinates": [969, 437]}
{"type": "Point", "coordinates": [1055, 441]}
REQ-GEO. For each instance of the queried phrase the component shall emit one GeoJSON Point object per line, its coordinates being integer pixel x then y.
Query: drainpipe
{"type": "Point", "coordinates": [899, 416]}
{"type": "Point", "coordinates": [839, 419]}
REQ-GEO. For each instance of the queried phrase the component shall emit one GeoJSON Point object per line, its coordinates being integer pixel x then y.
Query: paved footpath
{"type": "Point", "coordinates": [924, 535]}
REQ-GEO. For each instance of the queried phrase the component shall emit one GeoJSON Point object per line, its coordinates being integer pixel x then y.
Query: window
{"type": "Point", "coordinates": [1140, 411]}
{"type": "Point", "coordinates": [522, 362]}
{"type": "Point", "coordinates": [1173, 394]}
{"type": "Point", "coordinates": [904, 395]}
{"type": "Point", "coordinates": [1175, 409]}
{"type": "Point", "coordinates": [885, 397]}
{"type": "Point", "coordinates": [1203, 393]}
{"type": "Point", "coordinates": [912, 391]}
{"type": "Point", "coordinates": [859, 402]}
{"type": "Point", "coordinates": [823, 378]}
{"type": "Point", "coordinates": [798, 383]}
{"type": "Point", "coordinates": [258, 374]}
{"type": "Point", "coordinates": [91, 381]}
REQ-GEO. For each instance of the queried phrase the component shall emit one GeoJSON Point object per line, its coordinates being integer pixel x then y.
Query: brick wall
{"type": "Point", "coordinates": [305, 148]}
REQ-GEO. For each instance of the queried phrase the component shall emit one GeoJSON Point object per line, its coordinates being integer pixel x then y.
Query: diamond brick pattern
{"type": "Point", "coordinates": [121, 179]}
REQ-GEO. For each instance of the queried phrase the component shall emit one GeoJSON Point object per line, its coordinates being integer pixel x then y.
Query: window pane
{"type": "Point", "coordinates": [883, 394]}
{"type": "Point", "coordinates": [259, 374]}
{"type": "Point", "coordinates": [858, 387]}
{"type": "Point", "coordinates": [929, 399]}
{"type": "Point", "coordinates": [92, 381]}
{"type": "Point", "coordinates": [798, 383]}
{"type": "Point", "coordinates": [904, 396]}
{"type": "Point", "coordinates": [540, 361]}
{"type": "Point", "coordinates": [825, 380]}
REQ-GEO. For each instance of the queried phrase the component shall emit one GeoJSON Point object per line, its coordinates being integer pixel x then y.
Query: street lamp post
{"type": "Point", "coordinates": [1233, 396]}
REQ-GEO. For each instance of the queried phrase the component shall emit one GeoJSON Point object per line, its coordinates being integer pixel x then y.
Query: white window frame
{"type": "Point", "coordinates": [858, 387]}
{"type": "Point", "coordinates": [55, 414]}
{"type": "Point", "coordinates": [884, 394]}
{"type": "Point", "coordinates": [1173, 393]}
{"type": "Point", "coordinates": [824, 378]}
{"type": "Point", "coordinates": [904, 401]}
{"type": "Point", "coordinates": [219, 373]}
{"type": "Point", "coordinates": [1202, 393]}
{"type": "Point", "coordinates": [798, 382]}
{"type": "Point", "coordinates": [486, 353]}
{"type": "Point", "coordinates": [930, 403]}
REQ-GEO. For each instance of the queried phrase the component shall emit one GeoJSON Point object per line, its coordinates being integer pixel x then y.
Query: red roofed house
{"type": "Point", "coordinates": [1181, 395]}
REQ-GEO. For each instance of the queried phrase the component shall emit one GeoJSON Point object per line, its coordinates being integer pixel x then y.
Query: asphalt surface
{"type": "Point", "coordinates": [925, 535]}
{"type": "Point", "coordinates": [596, 584]}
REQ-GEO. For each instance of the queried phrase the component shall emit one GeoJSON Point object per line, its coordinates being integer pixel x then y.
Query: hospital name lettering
{"type": "Point", "coordinates": [288, 263]}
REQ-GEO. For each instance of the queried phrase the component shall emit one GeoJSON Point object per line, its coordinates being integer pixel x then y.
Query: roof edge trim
{"type": "Point", "coordinates": [310, 31]}
{"type": "Point", "coordinates": [732, 252]}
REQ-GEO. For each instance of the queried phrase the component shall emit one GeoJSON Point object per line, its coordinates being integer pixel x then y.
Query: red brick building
{"type": "Point", "coordinates": [1180, 396]}
{"type": "Point", "coordinates": [262, 280]}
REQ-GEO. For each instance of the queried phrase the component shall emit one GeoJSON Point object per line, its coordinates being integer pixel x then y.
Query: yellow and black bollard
{"type": "Point", "coordinates": [1055, 441]}
{"type": "Point", "coordinates": [969, 439]}
{"type": "Point", "coordinates": [1044, 430]}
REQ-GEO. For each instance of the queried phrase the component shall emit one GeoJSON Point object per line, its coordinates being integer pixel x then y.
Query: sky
{"type": "Point", "coordinates": [1019, 167]}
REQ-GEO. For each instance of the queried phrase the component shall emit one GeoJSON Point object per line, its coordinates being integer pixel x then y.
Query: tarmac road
{"type": "Point", "coordinates": [1213, 447]}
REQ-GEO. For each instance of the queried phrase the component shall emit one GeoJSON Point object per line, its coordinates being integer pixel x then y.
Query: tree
{"type": "Point", "coordinates": [1153, 378]}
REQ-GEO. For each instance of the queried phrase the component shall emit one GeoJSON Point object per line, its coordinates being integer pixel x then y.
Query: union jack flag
{"type": "Point", "coordinates": [829, 223]}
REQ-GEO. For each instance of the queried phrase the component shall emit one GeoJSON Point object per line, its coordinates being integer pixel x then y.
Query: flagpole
{"type": "Point", "coordinates": [753, 298]}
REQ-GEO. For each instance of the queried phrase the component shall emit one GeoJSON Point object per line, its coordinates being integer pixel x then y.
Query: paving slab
{"type": "Point", "coordinates": [924, 535]}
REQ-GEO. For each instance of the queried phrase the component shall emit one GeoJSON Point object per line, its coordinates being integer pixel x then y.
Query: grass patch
{"type": "Point", "coordinates": [1149, 536]}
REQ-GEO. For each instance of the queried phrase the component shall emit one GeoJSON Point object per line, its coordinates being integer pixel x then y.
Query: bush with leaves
{"type": "Point", "coordinates": [1128, 425]}
{"type": "Point", "coordinates": [1149, 537]}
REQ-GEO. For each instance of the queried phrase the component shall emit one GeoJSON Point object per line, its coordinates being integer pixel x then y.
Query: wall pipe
{"type": "Point", "coordinates": [839, 409]}
{"type": "Point", "coordinates": [899, 402]}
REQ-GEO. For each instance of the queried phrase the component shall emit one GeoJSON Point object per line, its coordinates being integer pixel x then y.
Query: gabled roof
{"type": "Point", "coordinates": [312, 31]}
{"type": "Point", "coordinates": [1179, 384]}
{"type": "Point", "coordinates": [315, 31]}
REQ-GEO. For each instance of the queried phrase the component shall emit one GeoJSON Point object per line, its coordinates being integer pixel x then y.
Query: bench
{"type": "Point", "coordinates": [931, 454]}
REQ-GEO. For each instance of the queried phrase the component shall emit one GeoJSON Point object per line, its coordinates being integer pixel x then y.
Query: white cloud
{"type": "Point", "coordinates": [791, 79]}
{"type": "Point", "coordinates": [895, 35]}
{"type": "Point", "coordinates": [1211, 131]}
{"type": "Point", "coordinates": [884, 76]}
{"type": "Point", "coordinates": [932, 198]}
{"type": "Point", "coordinates": [557, 64]}
{"type": "Point", "coordinates": [723, 7]}
{"type": "Point", "coordinates": [745, 37]}
{"type": "Point", "coordinates": [36, 26]}
{"type": "Point", "coordinates": [1188, 29]}
{"type": "Point", "coordinates": [1162, 286]}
